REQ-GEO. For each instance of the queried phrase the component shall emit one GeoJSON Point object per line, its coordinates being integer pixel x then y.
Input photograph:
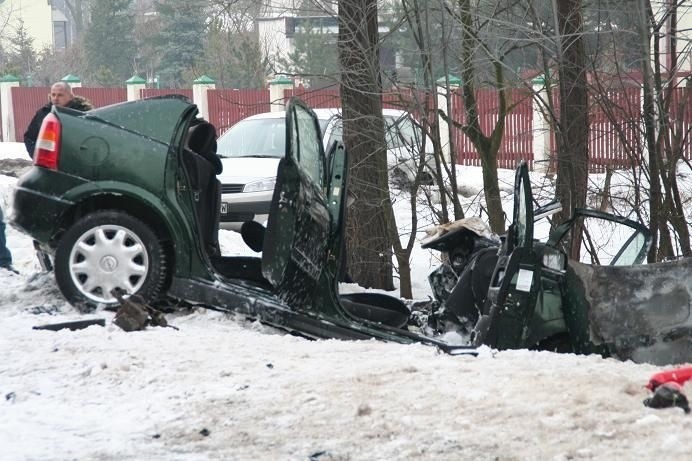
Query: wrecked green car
{"type": "Point", "coordinates": [125, 198]}
{"type": "Point", "coordinates": [528, 294]}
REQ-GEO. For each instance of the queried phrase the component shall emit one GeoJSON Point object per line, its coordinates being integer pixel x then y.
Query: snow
{"type": "Point", "coordinates": [223, 387]}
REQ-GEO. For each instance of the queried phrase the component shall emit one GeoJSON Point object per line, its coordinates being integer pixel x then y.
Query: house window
{"type": "Point", "coordinates": [60, 41]}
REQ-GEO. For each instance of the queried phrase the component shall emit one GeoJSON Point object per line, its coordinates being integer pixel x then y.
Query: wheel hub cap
{"type": "Point", "coordinates": [109, 263]}
{"type": "Point", "coordinates": [107, 257]}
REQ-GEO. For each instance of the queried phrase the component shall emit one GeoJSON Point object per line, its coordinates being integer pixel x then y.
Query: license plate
{"type": "Point", "coordinates": [224, 208]}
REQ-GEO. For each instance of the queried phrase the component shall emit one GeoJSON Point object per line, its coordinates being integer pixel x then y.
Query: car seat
{"type": "Point", "coordinates": [203, 165]}
{"type": "Point", "coordinates": [201, 139]}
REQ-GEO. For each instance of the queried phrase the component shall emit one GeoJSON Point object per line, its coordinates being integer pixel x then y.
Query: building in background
{"type": "Point", "coordinates": [37, 16]}
{"type": "Point", "coordinates": [65, 29]}
{"type": "Point", "coordinates": [49, 23]}
{"type": "Point", "coordinates": [678, 35]}
{"type": "Point", "coordinates": [282, 21]}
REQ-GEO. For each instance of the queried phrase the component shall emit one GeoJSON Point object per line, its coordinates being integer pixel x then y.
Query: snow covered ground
{"type": "Point", "coordinates": [224, 388]}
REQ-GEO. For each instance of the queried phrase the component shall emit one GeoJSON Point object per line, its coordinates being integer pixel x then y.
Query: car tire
{"type": "Point", "coordinates": [559, 343]}
{"type": "Point", "coordinates": [106, 250]}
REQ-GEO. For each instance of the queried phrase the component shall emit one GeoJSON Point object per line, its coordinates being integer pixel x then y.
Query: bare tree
{"type": "Point", "coordinates": [418, 16]}
{"type": "Point", "coordinates": [232, 52]}
{"type": "Point", "coordinates": [369, 220]}
{"type": "Point", "coordinates": [573, 133]}
{"type": "Point", "coordinates": [487, 146]}
{"type": "Point", "coordinates": [665, 205]}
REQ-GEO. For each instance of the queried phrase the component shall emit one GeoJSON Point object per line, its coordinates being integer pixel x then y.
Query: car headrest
{"type": "Point", "coordinates": [201, 138]}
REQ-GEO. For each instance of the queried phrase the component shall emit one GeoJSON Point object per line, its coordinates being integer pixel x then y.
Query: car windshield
{"type": "Point", "coordinates": [265, 137]}
{"type": "Point", "coordinates": [400, 132]}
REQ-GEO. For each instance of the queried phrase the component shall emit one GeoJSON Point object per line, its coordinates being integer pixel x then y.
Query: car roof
{"type": "Point", "coordinates": [321, 113]}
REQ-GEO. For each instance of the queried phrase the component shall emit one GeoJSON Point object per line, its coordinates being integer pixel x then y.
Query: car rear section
{"type": "Point", "coordinates": [101, 198]}
{"type": "Point", "coordinates": [79, 161]}
{"type": "Point", "coordinates": [40, 199]}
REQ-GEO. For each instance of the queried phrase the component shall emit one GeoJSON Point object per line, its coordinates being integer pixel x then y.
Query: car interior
{"type": "Point", "coordinates": [202, 165]}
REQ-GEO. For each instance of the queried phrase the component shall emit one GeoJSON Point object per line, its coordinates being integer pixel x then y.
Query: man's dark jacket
{"type": "Point", "coordinates": [31, 133]}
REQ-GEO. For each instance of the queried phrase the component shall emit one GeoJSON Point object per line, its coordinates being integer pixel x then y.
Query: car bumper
{"type": "Point", "coordinates": [242, 207]}
{"type": "Point", "coordinates": [37, 214]}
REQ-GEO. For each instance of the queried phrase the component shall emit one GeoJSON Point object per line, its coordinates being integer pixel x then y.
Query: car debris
{"type": "Point", "coordinates": [73, 325]}
{"type": "Point", "coordinates": [677, 375]}
{"type": "Point", "coordinates": [668, 395]}
{"type": "Point", "coordinates": [134, 314]}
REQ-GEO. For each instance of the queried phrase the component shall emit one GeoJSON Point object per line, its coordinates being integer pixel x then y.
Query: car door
{"type": "Point", "coordinates": [298, 229]}
{"type": "Point", "coordinates": [606, 239]}
{"type": "Point", "coordinates": [513, 289]}
{"type": "Point", "coordinates": [612, 303]}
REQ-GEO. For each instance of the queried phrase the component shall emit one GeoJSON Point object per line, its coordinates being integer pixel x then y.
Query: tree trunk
{"type": "Point", "coordinates": [649, 115]}
{"type": "Point", "coordinates": [487, 146]}
{"type": "Point", "coordinates": [404, 276]}
{"type": "Point", "coordinates": [369, 244]}
{"type": "Point", "coordinates": [672, 139]}
{"type": "Point", "coordinates": [573, 150]}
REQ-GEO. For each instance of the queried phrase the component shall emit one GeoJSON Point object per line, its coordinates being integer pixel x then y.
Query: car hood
{"type": "Point", "coordinates": [247, 169]}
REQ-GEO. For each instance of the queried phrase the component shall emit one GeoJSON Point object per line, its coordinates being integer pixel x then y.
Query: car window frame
{"type": "Point", "coordinates": [315, 170]}
{"type": "Point", "coordinates": [557, 235]}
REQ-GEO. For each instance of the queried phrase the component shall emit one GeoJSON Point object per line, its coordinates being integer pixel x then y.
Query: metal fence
{"type": "Point", "coordinates": [517, 142]}
{"type": "Point", "coordinates": [27, 100]}
{"type": "Point", "coordinates": [615, 138]}
{"type": "Point", "coordinates": [227, 107]}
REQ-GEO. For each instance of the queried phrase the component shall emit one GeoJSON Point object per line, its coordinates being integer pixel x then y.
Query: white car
{"type": "Point", "coordinates": [251, 149]}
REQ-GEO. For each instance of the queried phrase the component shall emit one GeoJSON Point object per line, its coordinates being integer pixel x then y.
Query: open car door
{"type": "Point", "coordinates": [606, 239]}
{"type": "Point", "coordinates": [513, 289]}
{"type": "Point", "coordinates": [297, 236]}
{"type": "Point", "coordinates": [639, 312]}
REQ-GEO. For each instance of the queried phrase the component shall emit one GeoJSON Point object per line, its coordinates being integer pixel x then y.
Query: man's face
{"type": "Point", "coordinates": [59, 96]}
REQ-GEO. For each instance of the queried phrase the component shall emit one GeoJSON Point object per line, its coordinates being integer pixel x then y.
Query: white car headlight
{"type": "Point", "coordinates": [261, 185]}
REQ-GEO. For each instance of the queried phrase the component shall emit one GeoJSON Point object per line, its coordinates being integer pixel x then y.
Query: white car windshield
{"type": "Point", "coordinates": [265, 137]}
{"type": "Point", "coordinates": [254, 138]}
{"type": "Point", "coordinates": [399, 133]}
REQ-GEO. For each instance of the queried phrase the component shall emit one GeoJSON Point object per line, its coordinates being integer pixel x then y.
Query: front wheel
{"type": "Point", "coordinates": [106, 250]}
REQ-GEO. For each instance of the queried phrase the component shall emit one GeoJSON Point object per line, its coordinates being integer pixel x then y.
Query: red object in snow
{"type": "Point", "coordinates": [679, 376]}
{"type": "Point", "coordinates": [668, 395]}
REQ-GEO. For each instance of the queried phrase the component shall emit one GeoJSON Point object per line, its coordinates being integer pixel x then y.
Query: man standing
{"type": "Point", "coordinates": [5, 255]}
{"type": "Point", "coordinates": [60, 95]}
